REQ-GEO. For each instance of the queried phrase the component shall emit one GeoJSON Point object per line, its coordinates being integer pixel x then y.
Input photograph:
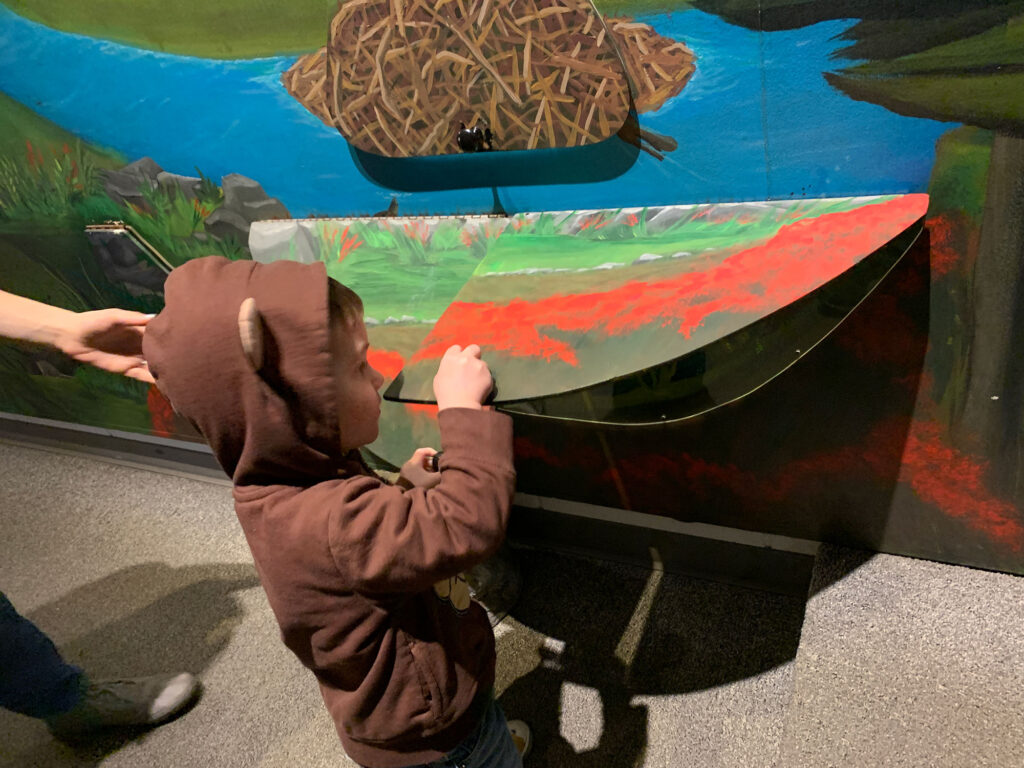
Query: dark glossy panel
{"type": "Point", "coordinates": [729, 368]}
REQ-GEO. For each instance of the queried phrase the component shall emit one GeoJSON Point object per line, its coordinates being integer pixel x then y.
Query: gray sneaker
{"type": "Point", "coordinates": [142, 701]}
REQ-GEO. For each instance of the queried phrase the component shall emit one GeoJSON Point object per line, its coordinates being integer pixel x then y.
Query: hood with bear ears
{"type": "Point", "coordinates": [275, 425]}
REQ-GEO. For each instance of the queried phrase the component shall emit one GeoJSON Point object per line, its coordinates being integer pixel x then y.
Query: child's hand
{"type": "Point", "coordinates": [463, 380]}
{"type": "Point", "coordinates": [416, 472]}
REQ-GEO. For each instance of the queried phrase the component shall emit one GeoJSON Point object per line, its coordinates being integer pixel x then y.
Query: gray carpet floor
{"type": "Point", "coordinates": [135, 572]}
{"type": "Point", "coordinates": [889, 662]}
{"type": "Point", "coordinates": [908, 663]}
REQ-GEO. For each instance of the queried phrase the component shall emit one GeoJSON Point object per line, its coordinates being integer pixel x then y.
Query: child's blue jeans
{"type": "Point", "coordinates": [489, 746]}
{"type": "Point", "coordinates": [34, 679]}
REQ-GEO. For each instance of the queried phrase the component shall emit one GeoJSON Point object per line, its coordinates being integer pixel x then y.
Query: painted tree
{"type": "Point", "coordinates": [960, 61]}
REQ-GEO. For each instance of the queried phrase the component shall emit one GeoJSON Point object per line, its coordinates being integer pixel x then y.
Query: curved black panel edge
{"type": "Point", "coordinates": [730, 368]}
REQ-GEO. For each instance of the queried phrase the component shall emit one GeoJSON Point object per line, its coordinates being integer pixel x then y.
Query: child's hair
{"type": "Point", "coordinates": [344, 302]}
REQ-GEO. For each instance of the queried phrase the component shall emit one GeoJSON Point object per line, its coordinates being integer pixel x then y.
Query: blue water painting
{"type": "Point", "coordinates": [756, 121]}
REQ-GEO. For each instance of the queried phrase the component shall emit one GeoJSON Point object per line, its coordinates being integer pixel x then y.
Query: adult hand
{"type": "Point", "coordinates": [110, 339]}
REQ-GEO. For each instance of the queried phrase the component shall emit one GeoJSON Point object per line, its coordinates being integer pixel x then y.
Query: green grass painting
{"type": "Point", "coordinates": [52, 179]}
{"type": "Point", "coordinates": [409, 270]}
{"type": "Point", "coordinates": [242, 29]}
{"type": "Point", "coordinates": [51, 186]}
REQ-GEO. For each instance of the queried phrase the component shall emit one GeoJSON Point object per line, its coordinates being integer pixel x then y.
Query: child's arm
{"type": "Point", "coordinates": [110, 339]}
{"type": "Point", "coordinates": [389, 540]}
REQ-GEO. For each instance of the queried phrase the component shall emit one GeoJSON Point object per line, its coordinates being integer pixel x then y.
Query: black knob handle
{"type": "Point", "coordinates": [475, 139]}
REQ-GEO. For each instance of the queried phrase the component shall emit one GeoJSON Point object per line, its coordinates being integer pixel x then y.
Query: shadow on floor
{"type": "Point", "coordinates": [143, 620]}
{"type": "Point", "coordinates": [833, 564]}
{"type": "Point", "coordinates": [625, 632]}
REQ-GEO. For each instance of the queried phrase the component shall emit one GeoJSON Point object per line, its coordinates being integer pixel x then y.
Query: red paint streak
{"type": "Point", "coordinates": [954, 482]}
{"type": "Point", "coordinates": [201, 210]}
{"type": "Point", "coordinates": [493, 230]}
{"type": "Point", "coordinates": [510, 329]}
{"type": "Point", "coordinates": [348, 244]}
{"type": "Point", "coordinates": [705, 479]}
{"type": "Point", "coordinates": [385, 361]}
{"type": "Point", "coordinates": [417, 230]}
{"type": "Point", "coordinates": [799, 258]}
{"type": "Point", "coordinates": [945, 253]}
{"type": "Point", "coordinates": [527, 450]}
{"type": "Point", "coordinates": [421, 412]}
{"type": "Point", "coordinates": [161, 413]}
{"type": "Point", "coordinates": [939, 475]}
{"type": "Point", "coordinates": [421, 409]}
{"type": "Point", "coordinates": [597, 221]}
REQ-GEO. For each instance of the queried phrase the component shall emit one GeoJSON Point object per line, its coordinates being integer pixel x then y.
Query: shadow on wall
{"type": "Point", "coordinates": [143, 620]}
{"type": "Point", "coordinates": [626, 632]}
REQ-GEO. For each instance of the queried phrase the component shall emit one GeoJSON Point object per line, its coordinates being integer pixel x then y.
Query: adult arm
{"type": "Point", "coordinates": [110, 339]}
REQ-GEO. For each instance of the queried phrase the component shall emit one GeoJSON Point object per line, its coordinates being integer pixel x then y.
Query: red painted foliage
{"type": "Point", "coordinates": [799, 258]}
{"type": "Point", "coordinates": [946, 243]}
{"type": "Point", "coordinates": [386, 362]}
{"type": "Point", "coordinates": [422, 415]}
{"type": "Point", "coordinates": [955, 483]}
{"type": "Point", "coordinates": [161, 413]}
{"type": "Point", "coordinates": [940, 475]}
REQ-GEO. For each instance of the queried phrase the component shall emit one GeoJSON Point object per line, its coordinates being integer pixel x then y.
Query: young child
{"type": "Point", "coordinates": [268, 361]}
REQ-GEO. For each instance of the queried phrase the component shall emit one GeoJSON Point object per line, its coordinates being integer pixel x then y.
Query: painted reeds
{"type": "Point", "coordinates": [399, 76]}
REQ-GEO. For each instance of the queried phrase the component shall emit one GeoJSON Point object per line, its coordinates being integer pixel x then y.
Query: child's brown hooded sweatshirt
{"type": "Point", "coordinates": [348, 562]}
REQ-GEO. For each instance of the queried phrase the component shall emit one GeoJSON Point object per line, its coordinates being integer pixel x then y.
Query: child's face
{"type": "Point", "coordinates": [356, 383]}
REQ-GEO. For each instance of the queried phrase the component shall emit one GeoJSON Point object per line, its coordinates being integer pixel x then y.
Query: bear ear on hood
{"type": "Point", "coordinates": [250, 332]}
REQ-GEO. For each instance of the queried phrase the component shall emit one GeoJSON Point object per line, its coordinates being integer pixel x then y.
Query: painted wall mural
{"type": "Point", "coordinates": [747, 262]}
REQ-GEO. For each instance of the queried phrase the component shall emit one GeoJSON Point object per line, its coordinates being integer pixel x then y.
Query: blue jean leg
{"type": "Point", "coordinates": [34, 679]}
{"type": "Point", "coordinates": [489, 746]}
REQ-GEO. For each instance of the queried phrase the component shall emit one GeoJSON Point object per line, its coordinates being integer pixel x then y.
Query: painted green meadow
{"type": "Point", "coordinates": [219, 30]}
{"type": "Point", "coordinates": [224, 30]}
{"type": "Point", "coordinates": [51, 187]}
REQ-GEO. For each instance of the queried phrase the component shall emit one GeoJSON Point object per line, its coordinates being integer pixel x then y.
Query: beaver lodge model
{"type": "Point", "coordinates": [399, 77]}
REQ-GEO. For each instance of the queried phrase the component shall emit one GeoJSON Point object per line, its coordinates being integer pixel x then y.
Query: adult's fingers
{"type": "Point", "coordinates": [472, 349]}
{"type": "Point", "coordinates": [141, 373]}
{"type": "Point", "coordinates": [127, 317]}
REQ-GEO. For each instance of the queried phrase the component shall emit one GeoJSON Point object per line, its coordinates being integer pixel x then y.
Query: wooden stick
{"type": "Point", "coordinates": [452, 56]}
{"type": "Point", "coordinates": [481, 59]}
{"type": "Point", "coordinates": [527, 74]}
{"type": "Point", "coordinates": [384, 127]}
{"type": "Point", "coordinates": [590, 116]}
{"type": "Point", "coordinates": [565, 79]}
